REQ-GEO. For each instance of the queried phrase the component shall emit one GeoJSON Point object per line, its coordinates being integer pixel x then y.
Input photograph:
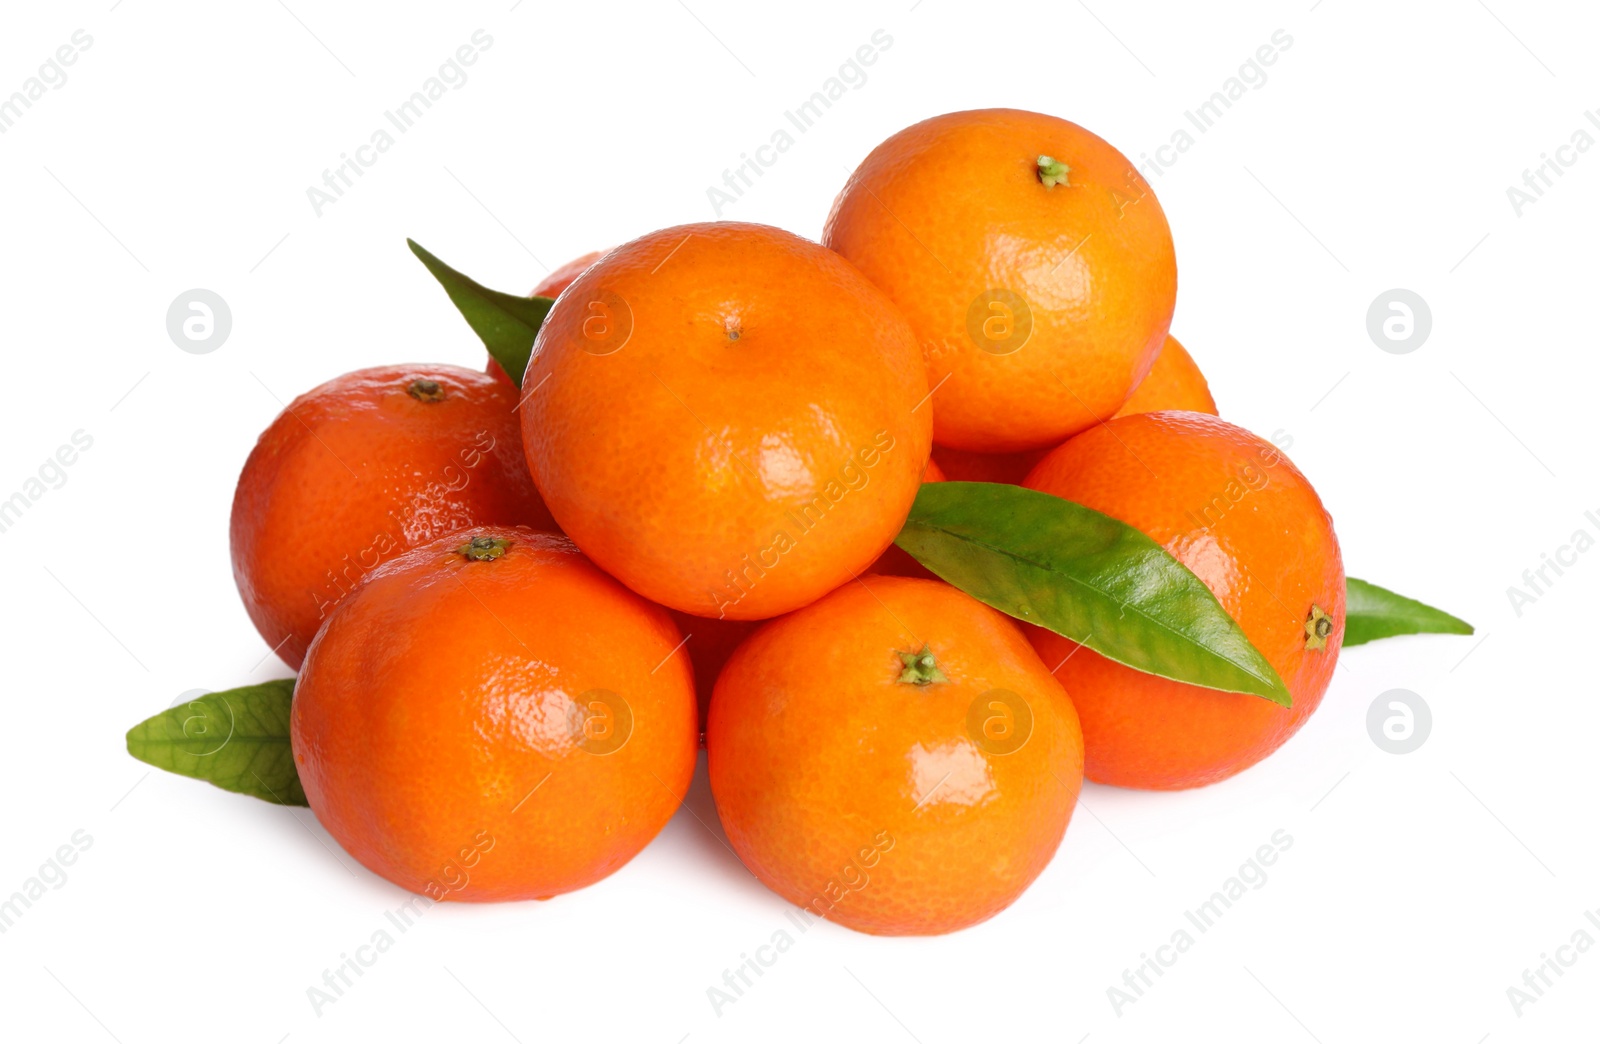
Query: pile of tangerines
{"type": "Point", "coordinates": [518, 603]}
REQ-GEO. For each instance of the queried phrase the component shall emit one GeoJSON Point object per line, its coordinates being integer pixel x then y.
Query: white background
{"type": "Point", "coordinates": [1376, 155]}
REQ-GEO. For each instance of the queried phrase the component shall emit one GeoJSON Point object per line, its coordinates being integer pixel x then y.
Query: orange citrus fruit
{"type": "Point", "coordinates": [1234, 510]}
{"type": "Point", "coordinates": [893, 757]}
{"type": "Point", "coordinates": [728, 418]}
{"type": "Point", "coordinates": [1173, 383]}
{"type": "Point", "coordinates": [361, 468]}
{"type": "Point", "coordinates": [709, 642]}
{"type": "Point", "coordinates": [561, 277]}
{"type": "Point", "coordinates": [967, 466]}
{"type": "Point", "coordinates": [1032, 260]}
{"type": "Point", "coordinates": [491, 717]}
{"type": "Point", "coordinates": [897, 562]}
{"type": "Point", "coordinates": [551, 285]}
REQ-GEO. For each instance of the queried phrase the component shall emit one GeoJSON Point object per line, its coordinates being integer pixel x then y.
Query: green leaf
{"type": "Point", "coordinates": [1088, 577]}
{"type": "Point", "coordinates": [506, 323]}
{"type": "Point", "coordinates": [237, 740]}
{"type": "Point", "coordinates": [1372, 612]}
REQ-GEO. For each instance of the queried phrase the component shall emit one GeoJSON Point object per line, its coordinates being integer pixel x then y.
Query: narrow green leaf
{"type": "Point", "coordinates": [506, 323]}
{"type": "Point", "coordinates": [1088, 577]}
{"type": "Point", "coordinates": [237, 740]}
{"type": "Point", "coordinates": [1372, 612]}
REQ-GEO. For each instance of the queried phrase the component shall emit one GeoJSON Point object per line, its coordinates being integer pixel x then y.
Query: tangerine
{"type": "Point", "coordinates": [709, 642]}
{"type": "Point", "coordinates": [1232, 508]}
{"type": "Point", "coordinates": [967, 466]}
{"type": "Point", "coordinates": [1032, 260]}
{"type": "Point", "coordinates": [728, 418]}
{"type": "Point", "coordinates": [555, 281]}
{"type": "Point", "coordinates": [490, 717]}
{"type": "Point", "coordinates": [893, 757]}
{"type": "Point", "coordinates": [895, 560]}
{"type": "Point", "coordinates": [1173, 383]}
{"type": "Point", "coordinates": [561, 277]}
{"type": "Point", "coordinates": [361, 468]}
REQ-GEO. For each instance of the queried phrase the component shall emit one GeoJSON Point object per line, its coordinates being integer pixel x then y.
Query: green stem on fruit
{"type": "Point", "coordinates": [484, 549]}
{"type": "Point", "coordinates": [1052, 172]}
{"type": "Point", "coordinates": [920, 668]}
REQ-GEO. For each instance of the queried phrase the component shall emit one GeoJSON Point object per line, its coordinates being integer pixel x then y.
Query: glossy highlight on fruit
{"type": "Point", "coordinates": [728, 418]}
{"type": "Point", "coordinates": [490, 717]}
{"type": "Point", "coordinates": [1031, 259]}
{"type": "Point", "coordinates": [1173, 383]}
{"type": "Point", "coordinates": [361, 468]}
{"type": "Point", "coordinates": [1231, 507]}
{"type": "Point", "coordinates": [894, 757]}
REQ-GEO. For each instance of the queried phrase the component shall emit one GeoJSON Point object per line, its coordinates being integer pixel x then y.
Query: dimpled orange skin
{"type": "Point", "coordinates": [954, 206]}
{"type": "Point", "coordinates": [561, 278]}
{"type": "Point", "coordinates": [357, 470]}
{"type": "Point", "coordinates": [437, 723]}
{"type": "Point", "coordinates": [1264, 546]}
{"type": "Point", "coordinates": [868, 800]}
{"type": "Point", "coordinates": [895, 561]}
{"type": "Point", "coordinates": [1173, 383]}
{"type": "Point", "coordinates": [550, 286]}
{"type": "Point", "coordinates": [728, 418]}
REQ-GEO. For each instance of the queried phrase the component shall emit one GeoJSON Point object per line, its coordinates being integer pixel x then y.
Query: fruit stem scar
{"type": "Point", "coordinates": [483, 549]}
{"type": "Point", "coordinates": [920, 668]}
{"type": "Point", "coordinates": [1319, 625]}
{"type": "Point", "coordinates": [424, 390]}
{"type": "Point", "coordinates": [1052, 172]}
